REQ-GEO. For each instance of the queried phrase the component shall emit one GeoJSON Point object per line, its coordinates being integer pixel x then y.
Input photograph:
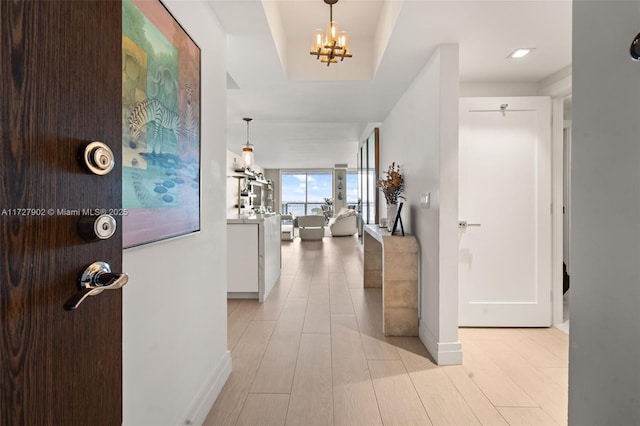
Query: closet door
{"type": "Point", "coordinates": [505, 200]}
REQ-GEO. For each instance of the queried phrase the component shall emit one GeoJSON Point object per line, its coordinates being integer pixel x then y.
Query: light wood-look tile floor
{"type": "Point", "coordinates": [314, 354]}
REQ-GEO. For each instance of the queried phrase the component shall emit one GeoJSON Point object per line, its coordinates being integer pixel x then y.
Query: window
{"type": "Point", "coordinates": [368, 173]}
{"type": "Point", "coordinates": [352, 189]}
{"type": "Point", "coordinates": [303, 192]}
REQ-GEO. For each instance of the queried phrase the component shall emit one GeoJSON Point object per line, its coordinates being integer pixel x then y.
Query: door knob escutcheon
{"type": "Point", "coordinates": [95, 279]}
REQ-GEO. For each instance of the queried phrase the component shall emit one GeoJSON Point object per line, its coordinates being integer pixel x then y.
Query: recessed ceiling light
{"type": "Point", "coordinates": [520, 53]}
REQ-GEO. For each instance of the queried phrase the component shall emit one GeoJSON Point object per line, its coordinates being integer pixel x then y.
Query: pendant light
{"type": "Point", "coordinates": [331, 44]}
{"type": "Point", "coordinates": [247, 149]}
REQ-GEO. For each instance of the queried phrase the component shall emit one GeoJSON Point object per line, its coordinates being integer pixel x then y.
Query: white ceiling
{"type": "Point", "coordinates": [308, 115]}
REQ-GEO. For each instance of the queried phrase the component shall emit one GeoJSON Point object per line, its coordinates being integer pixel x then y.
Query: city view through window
{"type": "Point", "coordinates": [304, 192]}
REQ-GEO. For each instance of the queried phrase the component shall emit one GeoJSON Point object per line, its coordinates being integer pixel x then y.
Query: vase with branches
{"type": "Point", "coordinates": [392, 186]}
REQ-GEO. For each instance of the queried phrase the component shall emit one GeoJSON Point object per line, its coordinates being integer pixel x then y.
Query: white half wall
{"type": "Point", "coordinates": [421, 134]}
{"type": "Point", "coordinates": [175, 358]}
{"type": "Point", "coordinates": [605, 213]}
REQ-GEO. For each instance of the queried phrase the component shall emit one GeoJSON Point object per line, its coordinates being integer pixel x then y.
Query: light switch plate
{"type": "Point", "coordinates": [425, 200]}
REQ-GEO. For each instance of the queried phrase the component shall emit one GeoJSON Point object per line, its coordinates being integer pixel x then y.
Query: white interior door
{"type": "Point", "coordinates": [505, 186]}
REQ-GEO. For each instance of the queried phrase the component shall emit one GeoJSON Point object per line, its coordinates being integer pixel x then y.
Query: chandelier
{"type": "Point", "coordinates": [331, 44]}
{"type": "Point", "coordinates": [247, 149]}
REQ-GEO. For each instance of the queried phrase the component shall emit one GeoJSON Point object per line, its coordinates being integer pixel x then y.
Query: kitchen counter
{"type": "Point", "coordinates": [257, 218]}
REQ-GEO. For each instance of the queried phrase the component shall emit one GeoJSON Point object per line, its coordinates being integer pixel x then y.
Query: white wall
{"type": "Point", "coordinates": [473, 90]}
{"type": "Point", "coordinates": [557, 85]}
{"type": "Point", "coordinates": [175, 357]}
{"type": "Point", "coordinates": [421, 134]}
{"type": "Point", "coordinates": [605, 283]}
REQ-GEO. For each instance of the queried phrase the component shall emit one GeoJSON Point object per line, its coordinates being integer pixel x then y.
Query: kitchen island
{"type": "Point", "coordinates": [253, 255]}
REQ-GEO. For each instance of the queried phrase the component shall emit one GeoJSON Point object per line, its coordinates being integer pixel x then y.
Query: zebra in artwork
{"type": "Point", "coordinates": [190, 120]}
{"type": "Point", "coordinates": [153, 110]}
{"type": "Point", "coordinates": [189, 126]}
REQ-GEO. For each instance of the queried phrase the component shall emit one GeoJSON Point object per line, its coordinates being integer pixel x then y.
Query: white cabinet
{"type": "Point", "coordinates": [253, 256]}
{"type": "Point", "coordinates": [242, 258]}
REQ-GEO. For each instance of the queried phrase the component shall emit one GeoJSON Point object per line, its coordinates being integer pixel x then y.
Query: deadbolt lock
{"type": "Point", "coordinates": [99, 158]}
{"type": "Point", "coordinates": [97, 227]}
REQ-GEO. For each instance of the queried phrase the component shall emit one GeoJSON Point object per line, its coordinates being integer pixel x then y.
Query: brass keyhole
{"type": "Point", "coordinates": [101, 227]}
{"type": "Point", "coordinates": [99, 158]}
{"type": "Point", "coordinates": [103, 159]}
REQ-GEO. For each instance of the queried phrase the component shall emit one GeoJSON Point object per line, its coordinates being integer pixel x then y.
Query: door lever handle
{"type": "Point", "coordinates": [95, 279]}
{"type": "Point", "coordinates": [463, 224]}
{"type": "Point", "coordinates": [110, 280]}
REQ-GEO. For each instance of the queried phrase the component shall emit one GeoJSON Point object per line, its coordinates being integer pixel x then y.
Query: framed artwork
{"type": "Point", "coordinates": [160, 125]}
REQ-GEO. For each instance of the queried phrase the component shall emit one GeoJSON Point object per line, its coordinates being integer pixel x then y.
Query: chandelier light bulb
{"type": "Point", "coordinates": [332, 31]}
{"type": "Point", "coordinates": [317, 40]}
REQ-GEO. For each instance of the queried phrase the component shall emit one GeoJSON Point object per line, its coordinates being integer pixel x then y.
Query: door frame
{"type": "Point", "coordinates": [559, 91]}
{"type": "Point", "coordinates": [566, 256]}
{"type": "Point", "coordinates": [557, 202]}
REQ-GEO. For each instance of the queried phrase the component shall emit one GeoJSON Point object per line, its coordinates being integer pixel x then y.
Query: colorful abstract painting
{"type": "Point", "coordinates": [160, 125]}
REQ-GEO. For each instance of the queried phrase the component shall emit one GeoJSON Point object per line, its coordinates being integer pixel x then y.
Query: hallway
{"type": "Point", "coordinates": [314, 353]}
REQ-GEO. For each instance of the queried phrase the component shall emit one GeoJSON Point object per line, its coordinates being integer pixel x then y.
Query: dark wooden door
{"type": "Point", "coordinates": [60, 88]}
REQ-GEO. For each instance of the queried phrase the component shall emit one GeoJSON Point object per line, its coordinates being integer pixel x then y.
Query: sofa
{"type": "Point", "coordinates": [344, 224]}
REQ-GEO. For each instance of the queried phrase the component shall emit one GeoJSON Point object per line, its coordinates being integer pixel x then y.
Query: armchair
{"type": "Point", "coordinates": [344, 224]}
{"type": "Point", "coordinates": [311, 227]}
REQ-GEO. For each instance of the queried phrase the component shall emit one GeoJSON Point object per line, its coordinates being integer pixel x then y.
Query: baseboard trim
{"type": "Point", "coordinates": [207, 395]}
{"type": "Point", "coordinates": [444, 353]}
{"type": "Point", "coordinates": [242, 295]}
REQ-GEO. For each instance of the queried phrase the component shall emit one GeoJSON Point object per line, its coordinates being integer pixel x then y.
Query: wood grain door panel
{"type": "Point", "coordinates": [61, 89]}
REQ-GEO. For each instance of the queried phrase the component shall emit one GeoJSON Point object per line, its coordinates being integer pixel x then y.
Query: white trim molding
{"type": "Point", "coordinates": [444, 353]}
{"type": "Point", "coordinates": [557, 220]}
{"type": "Point", "coordinates": [557, 85]}
{"type": "Point", "coordinates": [206, 397]}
